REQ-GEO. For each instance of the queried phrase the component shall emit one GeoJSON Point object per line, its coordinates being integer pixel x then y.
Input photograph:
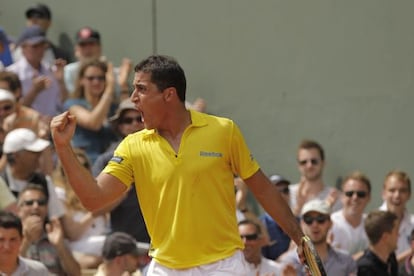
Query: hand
{"type": "Point", "coordinates": [241, 193]}
{"type": "Point", "coordinates": [62, 128]}
{"type": "Point", "coordinates": [110, 80]}
{"type": "Point", "coordinates": [124, 71]}
{"type": "Point", "coordinates": [54, 232]}
{"type": "Point", "coordinates": [32, 228]}
{"type": "Point", "coordinates": [301, 196]}
{"type": "Point", "coordinates": [40, 83]}
{"type": "Point", "coordinates": [58, 69]}
{"type": "Point", "coordinates": [332, 197]}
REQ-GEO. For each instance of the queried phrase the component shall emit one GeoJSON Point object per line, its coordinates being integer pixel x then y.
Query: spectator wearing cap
{"type": "Point", "coordinates": [279, 240]}
{"type": "Point", "coordinates": [22, 149]}
{"type": "Point", "coordinates": [120, 254]}
{"type": "Point", "coordinates": [348, 231]}
{"type": "Point", "coordinates": [43, 89]}
{"type": "Point", "coordinates": [5, 54]}
{"type": "Point", "coordinates": [11, 237]}
{"type": "Point", "coordinates": [88, 47]}
{"type": "Point", "coordinates": [40, 15]}
{"type": "Point", "coordinates": [92, 105]}
{"type": "Point", "coordinates": [43, 237]}
{"type": "Point", "coordinates": [125, 215]}
{"type": "Point", "coordinates": [316, 223]}
{"type": "Point", "coordinates": [7, 104]}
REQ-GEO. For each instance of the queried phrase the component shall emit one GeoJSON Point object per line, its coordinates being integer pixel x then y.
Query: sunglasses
{"type": "Point", "coordinates": [251, 237]}
{"type": "Point", "coordinates": [6, 108]}
{"type": "Point", "coordinates": [98, 78]}
{"type": "Point", "coordinates": [40, 202]}
{"type": "Point", "coordinates": [313, 161]}
{"type": "Point", "coordinates": [319, 219]}
{"type": "Point", "coordinates": [360, 194]}
{"type": "Point", "coordinates": [284, 190]}
{"type": "Point", "coordinates": [129, 120]}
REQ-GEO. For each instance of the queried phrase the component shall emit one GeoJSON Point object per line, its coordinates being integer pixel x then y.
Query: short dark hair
{"type": "Point", "coordinates": [377, 223]}
{"type": "Point", "coordinates": [251, 222]}
{"type": "Point", "coordinates": [311, 144]}
{"type": "Point", "coordinates": [9, 220]}
{"type": "Point", "coordinates": [35, 187]}
{"type": "Point", "coordinates": [165, 72]}
{"type": "Point", "coordinates": [12, 80]}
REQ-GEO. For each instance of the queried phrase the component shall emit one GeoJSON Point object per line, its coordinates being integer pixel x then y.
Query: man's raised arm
{"type": "Point", "coordinates": [93, 193]}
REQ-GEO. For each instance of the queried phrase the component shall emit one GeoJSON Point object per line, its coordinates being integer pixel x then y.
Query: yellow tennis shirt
{"type": "Point", "coordinates": [187, 198]}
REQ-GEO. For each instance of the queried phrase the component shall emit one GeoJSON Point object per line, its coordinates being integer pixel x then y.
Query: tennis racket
{"type": "Point", "coordinates": [313, 261]}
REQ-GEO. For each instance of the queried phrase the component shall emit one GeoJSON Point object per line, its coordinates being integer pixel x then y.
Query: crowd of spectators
{"type": "Point", "coordinates": [42, 219]}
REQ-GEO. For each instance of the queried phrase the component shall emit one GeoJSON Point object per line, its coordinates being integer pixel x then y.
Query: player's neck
{"type": "Point", "coordinates": [314, 186]}
{"type": "Point", "coordinates": [173, 130]}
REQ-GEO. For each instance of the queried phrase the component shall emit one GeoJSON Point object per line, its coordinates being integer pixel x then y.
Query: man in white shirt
{"type": "Point", "coordinates": [348, 231]}
{"type": "Point", "coordinates": [311, 162]}
{"type": "Point", "coordinates": [396, 193]}
{"type": "Point", "coordinates": [11, 236]}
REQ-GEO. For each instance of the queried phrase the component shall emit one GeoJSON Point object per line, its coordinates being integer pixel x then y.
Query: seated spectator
{"type": "Point", "coordinates": [11, 236]}
{"type": "Point", "coordinates": [43, 86]}
{"type": "Point", "coordinates": [379, 259]}
{"type": "Point", "coordinates": [22, 116]}
{"type": "Point", "coordinates": [88, 47]}
{"type": "Point", "coordinates": [23, 149]}
{"type": "Point", "coordinates": [43, 237]}
{"type": "Point", "coordinates": [311, 162]}
{"type": "Point", "coordinates": [316, 223]}
{"type": "Point", "coordinates": [41, 15]}
{"type": "Point", "coordinates": [348, 231]}
{"type": "Point", "coordinates": [5, 54]}
{"type": "Point", "coordinates": [91, 104]}
{"type": "Point", "coordinates": [253, 241]}
{"type": "Point", "coordinates": [396, 193]}
{"type": "Point", "coordinates": [279, 240]}
{"type": "Point", "coordinates": [125, 215]}
{"type": "Point", "coordinates": [89, 229]}
{"type": "Point", "coordinates": [120, 254]}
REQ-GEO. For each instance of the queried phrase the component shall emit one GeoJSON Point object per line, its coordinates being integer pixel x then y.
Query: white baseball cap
{"type": "Point", "coordinates": [6, 95]}
{"type": "Point", "coordinates": [316, 205]}
{"type": "Point", "coordinates": [23, 139]}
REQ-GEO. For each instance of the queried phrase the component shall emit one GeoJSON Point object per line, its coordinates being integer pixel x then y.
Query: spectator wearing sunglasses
{"type": "Point", "coordinates": [250, 233]}
{"type": "Point", "coordinates": [396, 193]}
{"type": "Point", "coordinates": [316, 223]}
{"type": "Point", "coordinates": [125, 214]}
{"type": "Point", "coordinates": [348, 231]}
{"type": "Point", "coordinates": [92, 105]}
{"type": "Point", "coordinates": [379, 258]}
{"type": "Point", "coordinates": [279, 240]}
{"type": "Point", "coordinates": [43, 238]}
{"type": "Point", "coordinates": [311, 162]}
{"type": "Point", "coordinates": [22, 116]}
{"type": "Point", "coordinates": [88, 47]}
